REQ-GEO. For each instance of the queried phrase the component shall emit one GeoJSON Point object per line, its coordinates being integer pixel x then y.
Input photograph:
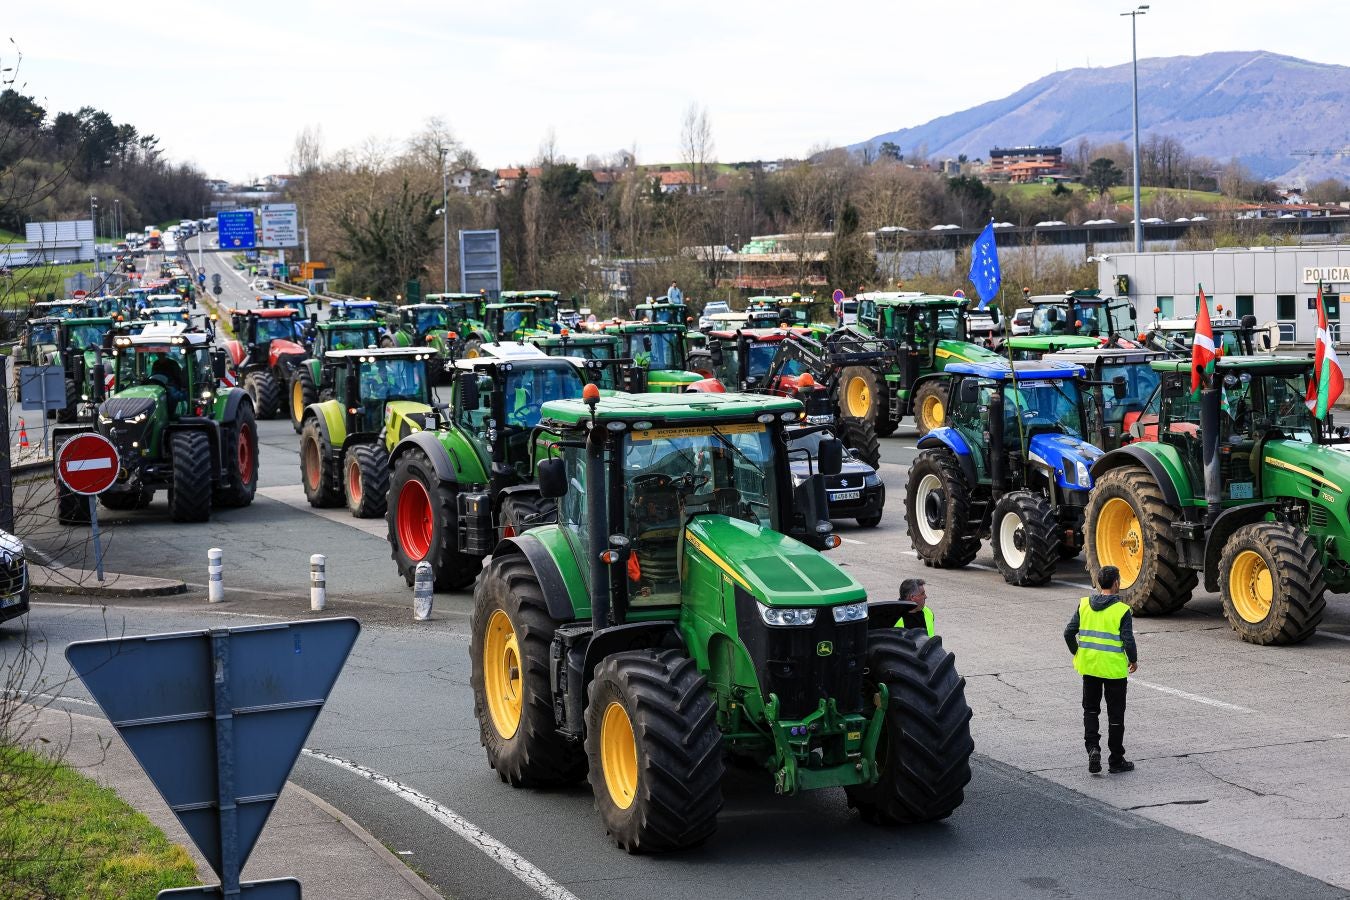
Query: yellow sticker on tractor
{"type": "Point", "coordinates": [665, 434]}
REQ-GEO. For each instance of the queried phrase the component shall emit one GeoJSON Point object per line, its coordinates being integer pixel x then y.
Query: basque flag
{"type": "Point", "coordinates": [1328, 381]}
{"type": "Point", "coordinates": [1202, 350]}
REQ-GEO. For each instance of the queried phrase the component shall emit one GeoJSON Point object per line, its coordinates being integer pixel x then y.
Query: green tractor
{"type": "Point", "coordinates": [678, 613]}
{"type": "Point", "coordinates": [173, 428]}
{"type": "Point", "coordinates": [1031, 347]}
{"type": "Point", "coordinates": [662, 311]}
{"type": "Point", "coordinates": [792, 311]}
{"type": "Point", "coordinates": [662, 350]}
{"type": "Point", "coordinates": [435, 325]}
{"type": "Point", "coordinates": [377, 397]}
{"type": "Point", "coordinates": [592, 346]}
{"type": "Point", "coordinates": [545, 302]}
{"type": "Point", "coordinates": [75, 344]}
{"type": "Point", "coordinates": [311, 382]}
{"type": "Point", "coordinates": [931, 332]}
{"type": "Point", "coordinates": [1243, 486]}
{"type": "Point", "coordinates": [1083, 314]}
{"type": "Point", "coordinates": [1117, 413]}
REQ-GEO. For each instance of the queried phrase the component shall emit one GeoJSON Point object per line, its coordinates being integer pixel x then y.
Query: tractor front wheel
{"type": "Point", "coordinates": [509, 675]}
{"type": "Point", "coordinates": [303, 393]}
{"type": "Point", "coordinates": [930, 406]}
{"type": "Point", "coordinates": [524, 510]}
{"type": "Point", "coordinates": [859, 436]}
{"type": "Point", "coordinates": [862, 394]}
{"type": "Point", "coordinates": [240, 447]}
{"type": "Point", "coordinates": [1026, 538]}
{"type": "Point", "coordinates": [1272, 584]}
{"type": "Point", "coordinates": [937, 511]}
{"type": "Point", "coordinates": [423, 520]}
{"type": "Point", "coordinates": [923, 756]}
{"type": "Point", "coordinates": [190, 493]}
{"type": "Point", "coordinates": [470, 347]}
{"type": "Point", "coordinates": [655, 750]}
{"type": "Point", "coordinates": [366, 479]}
{"type": "Point", "coordinates": [318, 475]}
{"type": "Point", "coordinates": [71, 412]}
{"type": "Point", "coordinates": [262, 387]}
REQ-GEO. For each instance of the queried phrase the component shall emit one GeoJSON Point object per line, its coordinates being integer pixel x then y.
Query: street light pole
{"type": "Point", "coordinates": [93, 223]}
{"type": "Point", "coordinates": [1134, 15]}
{"type": "Point", "coordinates": [445, 225]}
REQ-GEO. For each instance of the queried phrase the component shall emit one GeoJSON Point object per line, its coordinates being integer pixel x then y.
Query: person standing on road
{"type": "Point", "coordinates": [1101, 638]}
{"type": "Point", "coordinates": [918, 614]}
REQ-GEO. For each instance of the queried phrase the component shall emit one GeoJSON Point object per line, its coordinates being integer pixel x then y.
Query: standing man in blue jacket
{"type": "Point", "coordinates": [1101, 638]}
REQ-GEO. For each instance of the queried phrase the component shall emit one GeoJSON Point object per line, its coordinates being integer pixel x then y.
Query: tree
{"type": "Point", "coordinates": [696, 144]}
{"type": "Point", "coordinates": [972, 197]}
{"type": "Point", "coordinates": [1102, 175]}
{"type": "Point", "coordinates": [889, 150]}
{"type": "Point", "coordinates": [390, 240]}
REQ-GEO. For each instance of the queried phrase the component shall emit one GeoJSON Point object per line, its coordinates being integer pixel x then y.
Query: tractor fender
{"type": "Point", "coordinates": [951, 439]}
{"type": "Point", "coordinates": [705, 386]}
{"type": "Point", "coordinates": [236, 350]}
{"type": "Point", "coordinates": [234, 398]}
{"type": "Point", "coordinates": [1229, 521]}
{"type": "Point", "coordinates": [427, 443]}
{"type": "Point", "coordinates": [663, 633]}
{"type": "Point", "coordinates": [545, 569]}
{"type": "Point", "coordinates": [356, 438]}
{"type": "Point", "coordinates": [1135, 453]}
{"type": "Point", "coordinates": [331, 421]}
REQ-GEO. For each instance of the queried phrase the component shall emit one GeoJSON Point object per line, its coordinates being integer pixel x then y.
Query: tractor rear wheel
{"type": "Point", "coordinates": [303, 393]}
{"type": "Point", "coordinates": [240, 449]}
{"type": "Point", "coordinates": [1128, 525]}
{"type": "Point", "coordinates": [524, 510]}
{"type": "Point", "coordinates": [71, 411]}
{"type": "Point", "coordinates": [655, 750]}
{"type": "Point", "coordinates": [262, 387]}
{"type": "Point", "coordinates": [423, 525]}
{"type": "Point", "coordinates": [366, 480]}
{"type": "Point", "coordinates": [859, 436]}
{"type": "Point", "coordinates": [1026, 538]}
{"type": "Point", "coordinates": [469, 350]}
{"type": "Point", "coordinates": [509, 675]}
{"type": "Point", "coordinates": [124, 500]}
{"type": "Point", "coordinates": [71, 508]}
{"type": "Point", "coordinates": [1272, 585]}
{"type": "Point", "coordinates": [925, 747]}
{"type": "Point", "coordinates": [930, 406]}
{"type": "Point", "coordinates": [862, 394]}
{"type": "Point", "coordinates": [937, 511]}
{"type": "Point", "coordinates": [318, 475]}
{"type": "Point", "coordinates": [190, 493]}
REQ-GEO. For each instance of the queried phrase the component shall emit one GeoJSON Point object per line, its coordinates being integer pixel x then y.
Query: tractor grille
{"type": "Point", "coordinates": [126, 407]}
{"type": "Point", "coordinates": [788, 662]}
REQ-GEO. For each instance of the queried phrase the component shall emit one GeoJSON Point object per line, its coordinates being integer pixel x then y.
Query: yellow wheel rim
{"type": "Point", "coordinates": [858, 398]}
{"type": "Point", "coordinates": [297, 401]}
{"type": "Point", "coordinates": [471, 353]}
{"type": "Point", "coordinates": [1250, 586]}
{"type": "Point", "coordinates": [501, 674]}
{"type": "Point", "coordinates": [1120, 540]}
{"type": "Point", "coordinates": [934, 414]}
{"type": "Point", "coordinates": [618, 755]}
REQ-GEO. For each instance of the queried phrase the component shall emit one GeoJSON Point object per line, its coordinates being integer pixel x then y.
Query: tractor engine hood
{"type": "Point", "coordinates": [1069, 457]}
{"type": "Point", "coordinates": [133, 402]}
{"type": "Point", "coordinates": [774, 568]}
{"type": "Point", "coordinates": [280, 348]}
{"type": "Point", "coordinates": [960, 351]}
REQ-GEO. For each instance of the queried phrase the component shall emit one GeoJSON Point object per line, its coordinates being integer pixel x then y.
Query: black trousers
{"type": "Point", "coordinates": [1114, 688]}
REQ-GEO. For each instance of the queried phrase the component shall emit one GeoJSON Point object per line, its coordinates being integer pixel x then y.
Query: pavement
{"type": "Point", "coordinates": [69, 580]}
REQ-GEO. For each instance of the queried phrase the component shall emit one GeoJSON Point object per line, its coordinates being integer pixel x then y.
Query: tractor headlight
{"type": "Point", "coordinates": [850, 612]}
{"type": "Point", "coordinates": [1084, 476]}
{"type": "Point", "coordinates": [787, 617]}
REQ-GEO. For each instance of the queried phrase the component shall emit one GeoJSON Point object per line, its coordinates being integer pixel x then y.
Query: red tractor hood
{"type": "Point", "coordinates": [282, 348]}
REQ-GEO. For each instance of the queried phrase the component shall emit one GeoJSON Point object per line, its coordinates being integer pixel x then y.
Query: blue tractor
{"type": "Point", "coordinates": [1012, 462]}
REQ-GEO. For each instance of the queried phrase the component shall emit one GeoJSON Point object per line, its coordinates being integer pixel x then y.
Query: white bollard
{"type": "Point", "coordinates": [215, 587]}
{"type": "Point", "coordinates": [318, 582]}
{"type": "Point", "coordinates": [423, 591]}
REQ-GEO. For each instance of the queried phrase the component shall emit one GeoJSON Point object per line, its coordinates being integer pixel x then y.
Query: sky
{"type": "Point", "coordinates": [228, 85]}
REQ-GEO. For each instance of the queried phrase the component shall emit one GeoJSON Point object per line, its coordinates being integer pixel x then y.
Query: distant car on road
{"type": "Point", "coordinates": [706, 321]}
{"type": "Point", "coordinates": [14, 585]}
{"type": "Point", "coordinates": [1021, 321]}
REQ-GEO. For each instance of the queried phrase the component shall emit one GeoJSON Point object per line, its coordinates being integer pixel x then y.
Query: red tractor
{"type": "Point", "coordinates": [267, 347]}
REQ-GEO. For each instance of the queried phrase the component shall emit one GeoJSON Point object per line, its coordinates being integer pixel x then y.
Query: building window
{"type": "Point", "coordinates": [1164, 307]}
{"type": "Point", "coordinates": [1245, 305]}
{"type": "Point", "coordinates": [1284, 313]}
{"type": "Point", "coordinates": [1332, 303]}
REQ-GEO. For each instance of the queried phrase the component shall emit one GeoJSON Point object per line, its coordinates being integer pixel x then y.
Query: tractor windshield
{"type": "Point", "coordinates": [87, 337]}
{"type": "Point", "coordinates": [529, 388]}
{"type": "Point", "coordinates": [173, 367]}
{"type": "Point", "coordinates": [514, 320]}
{"type": "Point", "coordinates": [353, 338]}
{"type": "Point", "coordinates": [42, 334]}
{"type": "Point", "coordinates": [360, 313]}
{"type": "Point", "coordinates": [659, 352]}
{"type": "Point", "coordinates": [431, 319]}
{"type": "Point", "coordinates": [1283, 406]}
{"type": "Point", "coordinates": [1055, 319]}
{"type": "Point", "coordinates": [761, 357]}
{"type": "Point", "coordinates": [393, 379]}
{"type": "Point", "coordinates": [1048, 405]}
{"type": "Point", "coordinates": [270, 329]}
{"type": "Point", "coordinates": [1140, 383]}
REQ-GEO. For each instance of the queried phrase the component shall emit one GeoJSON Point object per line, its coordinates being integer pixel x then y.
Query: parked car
{"type": "Point", "coordinates": [13, 578]}
{"type": "Point", "coordinates": [1021, 321]}
{"type": "Point", "coordinates": [982, 325]}
{"type": "Point", "coordinates": [706, 321]}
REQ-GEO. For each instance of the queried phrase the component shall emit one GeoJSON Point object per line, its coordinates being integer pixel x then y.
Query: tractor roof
{"type": "Point", "coordinates": [348, 324]}
{"type": "Point", "coordinates": [88, 320]}
{"type": "Point", "coordinates": [501, 351]}
{"type": "Point", "coordinates": [507, 296]}
{"type": "Point", "coordinates": [901, 298]}
{"type": "Point", "coordinates": [1078, 298]}
{"type": "Point", "coordinates": [574, 337]}
{"type": "Point", "coordinates": [645, 327]}
{"type": "Point", "coordinates": [162, 333]}
{"type": "Point", "coordinates": [456, 297]}
{"type": "Point", "coordinates": [511, 305]}
{"type": "Point", "coordinates": [785, 300]}
{"type": "Point", "coordinates": [359, 304]}
{"type": "Point", "coordinates": [265, 313]}
{"type": "Point", "coordinates": [760, 335]}
{"type": "Point", "coordinates": [415, 306]}
{"type": "Point", "coordinates": [1188, 324]}
{"type": "Point", "coordinates": [381, 353]}
{"type": "Point", "coordinates": [1052, 342]}
{"type": "Point", "coordinates": [1271, 365]}
{"type": "Point", "coordinates": [674, 409]}
{"type": "Point", "coordinates": [1111, 356]}
{"type": "Point", "coordinates": [1001, 370]}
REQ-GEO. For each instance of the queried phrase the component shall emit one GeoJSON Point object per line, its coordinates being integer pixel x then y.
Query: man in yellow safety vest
{"type": "Point", "coordinates": [917, 613]}
{"type": "Point", "coordinates": [1101, 638]}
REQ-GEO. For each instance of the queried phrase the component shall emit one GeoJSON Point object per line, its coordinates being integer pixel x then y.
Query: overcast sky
{"type": "Point", "coordinates": [228, 84]}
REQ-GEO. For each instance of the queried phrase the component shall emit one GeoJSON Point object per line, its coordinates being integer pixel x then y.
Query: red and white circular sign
{"type": "Point", "coordinates": [88, 463]}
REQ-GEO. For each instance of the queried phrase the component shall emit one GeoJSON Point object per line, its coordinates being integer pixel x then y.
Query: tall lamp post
{"type": "Point", "coordinates": [1134, 15]}
{"type": "Point", "coordinates": [93, 220]}
{"type": "Point", "coordinates": [445, 225]}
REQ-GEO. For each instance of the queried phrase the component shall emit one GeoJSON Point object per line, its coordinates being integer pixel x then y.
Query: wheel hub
{"type": "Point", "coordinates": [935, 509]}
{"type": "Point", "coordinates": [1019, 540]}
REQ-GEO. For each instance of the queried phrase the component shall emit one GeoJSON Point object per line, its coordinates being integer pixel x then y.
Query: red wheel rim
{"type": "Point", "coordinates": [354, 481]}
{"type": "Point", "coordinates": [245, 455]}
{"type": "Point", "coordinates": [415, 519]}
{"type": "Point", "coordinates": [309, 459]}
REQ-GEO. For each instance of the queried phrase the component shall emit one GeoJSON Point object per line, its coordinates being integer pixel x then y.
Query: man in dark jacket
{"type": "Point", "coordinates": [1101, 638]}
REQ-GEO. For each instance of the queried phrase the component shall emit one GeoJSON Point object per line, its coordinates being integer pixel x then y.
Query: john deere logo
{"type": "Point", "coordinates": [824, 648]}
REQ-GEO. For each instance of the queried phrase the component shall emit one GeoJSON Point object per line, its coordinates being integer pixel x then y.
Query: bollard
{"type": "Point", "coordinates": [422, 592]}
{"type": "Point", "coordinates": [215, 587]}
{"type": "Point", "coordinates": [318, 582]}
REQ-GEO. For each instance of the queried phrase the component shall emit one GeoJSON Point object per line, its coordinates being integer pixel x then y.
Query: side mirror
{"type": "Point", "coordinates": [218, 361]}
{"type": "Point", "coordinates": [1248, 322]}
{"type": "Point", "coordinates": [552, 475]}
{"type": "Point", "coordinates": [1118, 387]}
{"type": "Point", "coordinates": [647, 343]}
{"type": "Point", "coordinates": [830, 458]}
{"type": "Point", "coordinates": [715, 353]}
{"type": "Point", "coordinates": [969, 391]}
{"type": "Point", "coordinates": [314, 318]}
{"type": "Point", "coordinates": [468, 390]}
{"type": "Point", "coordinates": [98, 377]}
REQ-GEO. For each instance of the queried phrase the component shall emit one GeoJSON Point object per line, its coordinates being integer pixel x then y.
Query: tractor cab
{"type": "Point", "coordinates": [659, 348]}
{"type": "Point", "coordinates": [791, 310]}
{"type": "Point", "coordinates": [1081, 313]}
{"type": "Point", "coordinates": [345, 334]}
{"type": "Point", "coordinates": [372, 380]}
{"type": "Point", "coordinates": [421, 323]}
{"type": "Point", "coordinates": [60, 309]}
{"type": "Point", "coordinates": [511, 321]}
{"type": "Point", "coordinates": [42, 340]}
{"type": "Point", "coordinates": [600, 348]}
{"type": "Point", "coordinates": [286, 301]}
{"type": "Point", "coordinates": [1116, 412]}
{"type": "Point", "coordinates": [1234, 337]}
{"type": "Point", "coordinates": [741, 359]}
{"type": "Point", "coordinates": [164, 301]}
{"type": "Point", "coordinates": [1031, 347]}
{"type": "Point", "coordinates": [464, 309]}
{"type": "Point", "coordinates": [662, 311]}
{"type": "Point", "coordinates": [357, 310]}
{"type": "Point", "coordinates": [544, 302]}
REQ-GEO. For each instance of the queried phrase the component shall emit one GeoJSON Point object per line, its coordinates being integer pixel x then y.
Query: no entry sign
{"type": "Point", "coordinates": [87, 464]}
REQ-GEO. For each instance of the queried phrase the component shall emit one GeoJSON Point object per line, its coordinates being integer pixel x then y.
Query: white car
{"type": "Point", "coordinates": [705, 320]}
{"type": "Point", "coordinates": [1021, 321]}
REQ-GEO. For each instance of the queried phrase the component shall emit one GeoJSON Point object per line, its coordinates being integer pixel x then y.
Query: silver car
{"type": "Point", "coordinates": [13, 578]}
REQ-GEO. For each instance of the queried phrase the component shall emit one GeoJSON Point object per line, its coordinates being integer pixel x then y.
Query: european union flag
{"type": "Point", "coordinates": [984, 271]}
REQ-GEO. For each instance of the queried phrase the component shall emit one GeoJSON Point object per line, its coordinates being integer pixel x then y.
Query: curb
{"type": "Point", "coordinates": [44, 582]}
{"type": "Point", "coordinates": [407, 874]}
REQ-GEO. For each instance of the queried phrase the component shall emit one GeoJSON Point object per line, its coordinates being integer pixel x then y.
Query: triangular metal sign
{"type": "Point", "coordinates": [217, 717]}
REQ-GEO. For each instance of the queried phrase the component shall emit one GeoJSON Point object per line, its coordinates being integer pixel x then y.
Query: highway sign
{"type": "Point", "coordinates": [234, 230]}
{"type": "Point", "coordinates": [216, 718]}
{"type": "Point", "coordinates": [480, 262]}
{"type": "Point", "coordinates": [280, 225]}
{"type": "Point", "coordinates": [88, 463]}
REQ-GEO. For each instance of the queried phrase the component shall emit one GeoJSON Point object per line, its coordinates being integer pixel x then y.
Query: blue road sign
{"type": "Point", "coordinates": [217, 717]}
{"type": "Point", "coordinates": [234, 230]}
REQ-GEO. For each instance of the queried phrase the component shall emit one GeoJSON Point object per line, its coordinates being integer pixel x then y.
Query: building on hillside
{"type": "Point", "coordinates": [277, 182]}
{"type": "Point", "coordinates": [674, 182]}
{"type": "Point", "coordinates": [461, 180]}
{"type": "Point", "coordinates": [507, 178]}
{"type": "Point", "coordinates": [604, 181]}
{"type": "Point", "coordinates": [1024, 163]}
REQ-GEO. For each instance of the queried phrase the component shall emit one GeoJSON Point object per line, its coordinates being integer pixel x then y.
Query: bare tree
{"type": "Point", "coordinates": [307, 154]}
{"type": "Point", "coordinates": [696, 144]}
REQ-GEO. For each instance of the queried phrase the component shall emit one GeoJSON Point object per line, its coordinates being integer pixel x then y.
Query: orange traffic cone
{"type": "Point", "coordinates": [23, 436]}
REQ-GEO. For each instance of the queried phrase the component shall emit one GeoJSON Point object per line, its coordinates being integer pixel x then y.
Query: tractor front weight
{"type": "Point", "coordinates": [825, 748]}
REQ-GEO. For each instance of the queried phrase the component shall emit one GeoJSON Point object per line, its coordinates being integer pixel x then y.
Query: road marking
{"type": "Point", "coordinates": [1334, 636]}
{"type": "Point", "coordinates": [852, 541]}
{"type": "Point", "coordinates": [79, 700]}
{"type": "Point", "coordinates": [1186, 695]}
{"type": "Point", "coordinates": [513, 862]}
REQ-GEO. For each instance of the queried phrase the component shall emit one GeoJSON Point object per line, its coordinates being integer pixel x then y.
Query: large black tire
{"type": "Point", "coordinates": [1025, 538]}
{"type": "Point", "coordinates": [387, 341]}
{"type": "Point", "coordinates": [319, 474]}
{"type": "Point", "coordinates": [126, 500]}
{"type": "Point", "coordinates": [655, 750]}
{"type": "Point", "coordinates": [859, 436]}
{"type": "Point", "coordinates": [509, 674]}
{"type": "Point", "coordinates": [701, 361]}
{"type": "Point", "coordinates": [266, 394]}
{"type": "Point", "coordinates": [469, 349]}
{"type": "Point", "coordinates": [365, 480]}
{"type": "Point", "coordinates": [524, 510]}
{"type": "Point", "coordinates": [937, 511]}
{"type": "Point", "coordinates": [925, 747]}
{"type": "Point", "coordinates": [930, 406]}
{"type": "Point", "coordinates": [301, 394]}
{"type": "Point", "coordinates": [190, 492]}
{"type": "Point", "coordinates": [240, 451]}
{"type": "Point", "coordinates": [71, 508]}
{"type": "Point", "coordinates": [1272, 584]}
{"type": "Point", "coordinates": [423, 521]}
{"type": "Point", "coordinates": [71, 411]}
{"type": "Point", "coordinates": [1142, 544]}
{"type": "Point", "coordinates": [863, 394]}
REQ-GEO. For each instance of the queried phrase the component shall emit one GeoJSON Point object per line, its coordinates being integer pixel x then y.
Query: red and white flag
{"type": "Point", "coordinates": [1202, 348]}
{"type": "Point", "coordinates": [1328, 381]}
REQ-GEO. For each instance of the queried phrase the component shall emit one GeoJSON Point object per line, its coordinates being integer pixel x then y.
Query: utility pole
{"type": "Point", "coordinates": [93, 222]}
{"type": "Point", "coordinates": [1134, 15]}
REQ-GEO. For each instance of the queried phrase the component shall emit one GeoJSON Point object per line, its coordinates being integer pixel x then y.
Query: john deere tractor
{"type": "Point", "coordinates": [662, 311]}
{"type": "Point", "coordinates": [265, 353]}
{"type": "Point", "coordinates": [545, 302]}
{"type": "Point", "coordinates": [439, 326]}
{"type": "Point", "coordinates": [311, 382]}
{"type": "Point", "coordinates": [678, 613]}
{"type": "Point", "coordinates": [931, 332]}
{"type": "Point", "coordinates": [173, 428]}
{"type": "Point", "coordinates": [1242, 486]}
{"type": "Point", "coordinates": [378, 397]}
{"type": "Point", "coordinates": [1013, 463]}
{"type": "Point", "coordinates": [1085, 314]}
{"type": "Point", "coordinates": [659, 348]}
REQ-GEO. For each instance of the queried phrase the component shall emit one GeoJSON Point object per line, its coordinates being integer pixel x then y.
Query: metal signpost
{"type": "Point", "coordinates": [234, 230]}
{"type": "Point", "coordinates": [88, 465]}
{"type": "Point", "coordinates": [216, 718]}
{"type": "Point", "coordinates": [480, 262]}
{"type": "Point", "coordinates": [42, 388]}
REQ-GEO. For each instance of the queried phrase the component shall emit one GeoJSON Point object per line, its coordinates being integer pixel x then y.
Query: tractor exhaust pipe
{"type": "Point", "coordinates": [597, 528]}
{"type": "Point", "coordinates": [997, 461]}
{"type": "Point", "coordinates": [1209, 450]}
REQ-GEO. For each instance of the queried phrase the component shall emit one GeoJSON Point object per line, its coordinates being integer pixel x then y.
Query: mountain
{"type": "Point", "coordinates": [1256, 106]}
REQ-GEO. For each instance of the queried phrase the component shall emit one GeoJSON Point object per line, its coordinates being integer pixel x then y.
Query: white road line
{"type": "Point", "coordinates": [79, 700]}
{"type": "Point", "coordinates": [1186, 695]}
{"type": "Point", "coordinates": [852, 541]}
{"type": "Point", "coordinates": [508, 859]}
{"type": "Point", "coordinates": [1334, 636]}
